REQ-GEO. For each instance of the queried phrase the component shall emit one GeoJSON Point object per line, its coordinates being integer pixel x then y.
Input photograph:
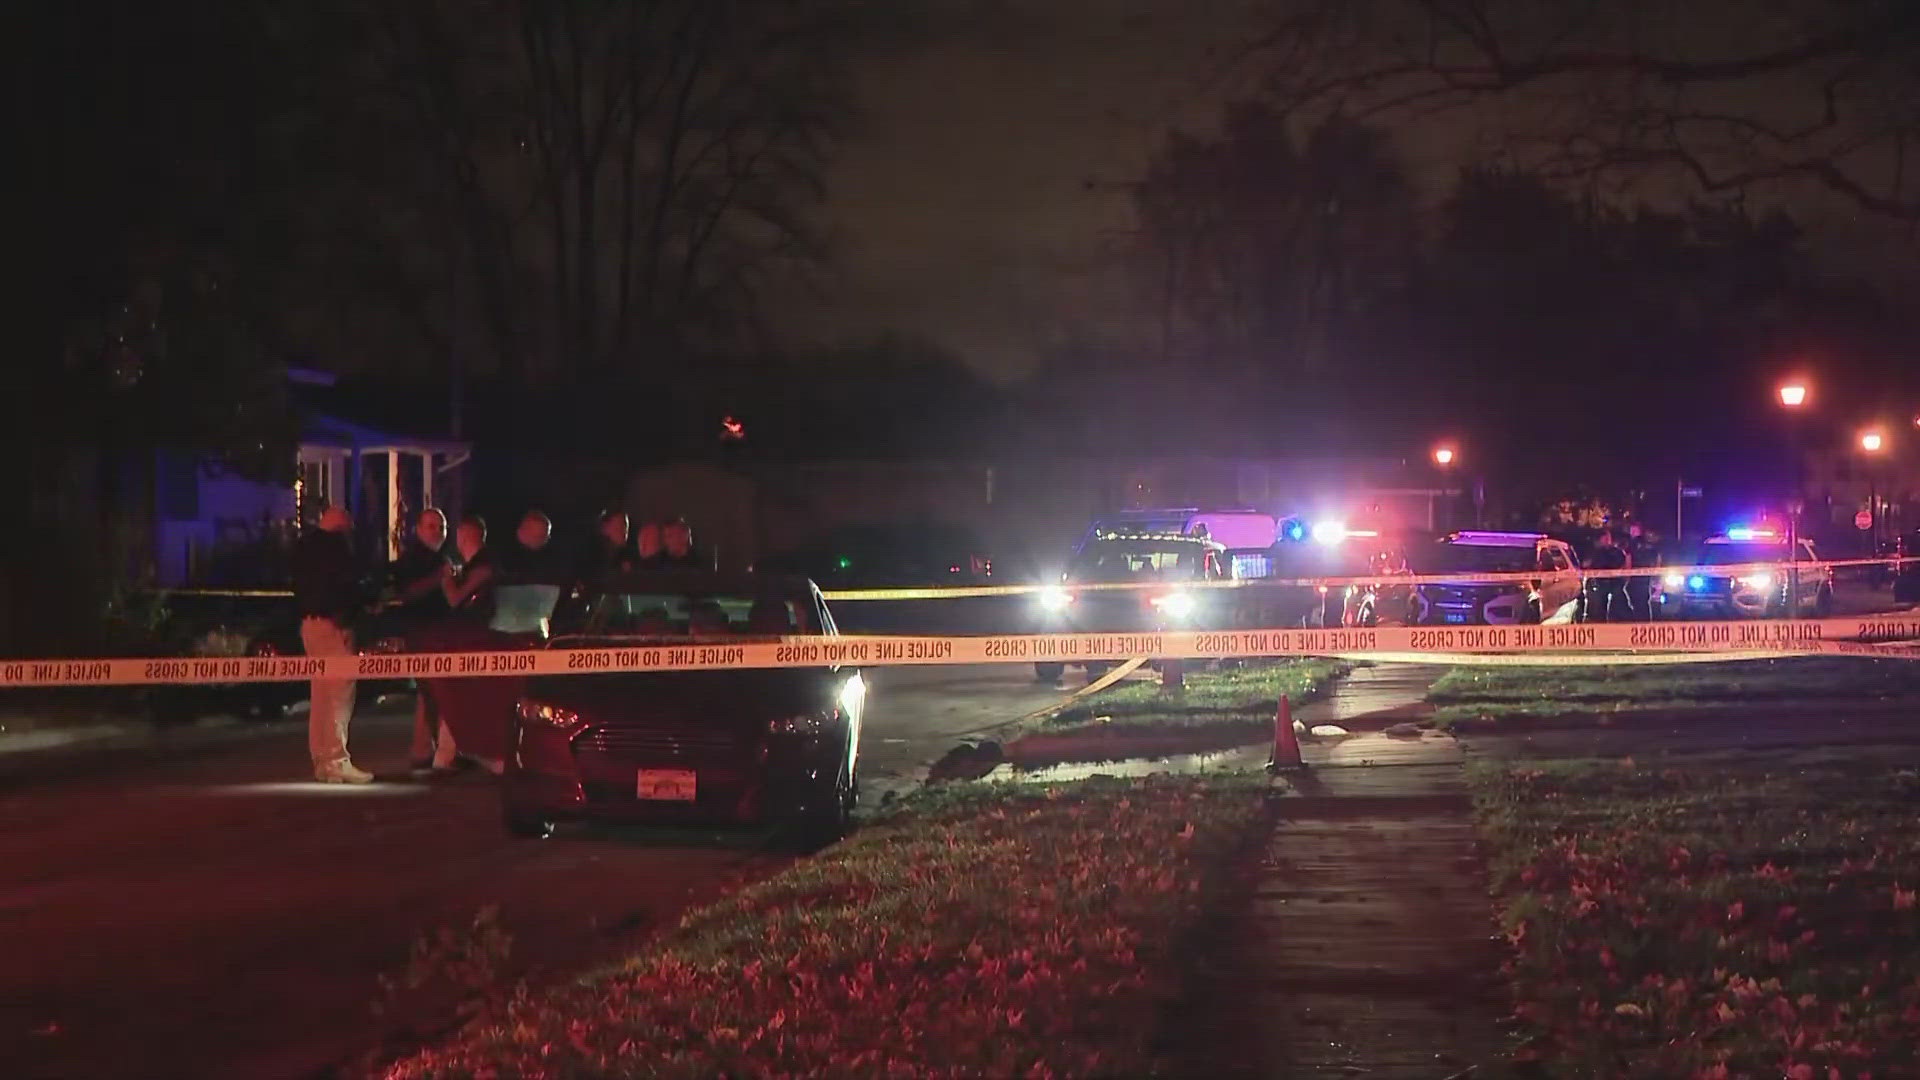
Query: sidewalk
{"type": "Point", "coordinates": [1363, 942]}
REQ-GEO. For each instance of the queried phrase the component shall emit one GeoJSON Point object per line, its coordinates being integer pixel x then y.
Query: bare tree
{"type": "Point", "coordinates": [1732, 96]}
{"type": "Point", "coordinates": [1255, 247]}
{"type": "Point", "coordinates": [619, 178]}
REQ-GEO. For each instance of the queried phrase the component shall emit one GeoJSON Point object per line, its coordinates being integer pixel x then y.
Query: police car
{"type": "Point", "coordinates": [1756, 593]}
{"type": "Point", "coordinates": [1160, 562]}
{"type": "Point", "coordinates": [1553, 590]}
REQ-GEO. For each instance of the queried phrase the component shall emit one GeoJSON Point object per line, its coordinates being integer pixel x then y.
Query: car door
{"type": "Point", "coordinates": [1558, 584]}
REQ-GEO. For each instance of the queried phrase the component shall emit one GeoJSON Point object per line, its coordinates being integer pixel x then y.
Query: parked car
{"type": "Point", "coordinates": [1554, 591]}
{"type": "Point", "coordinates": [1163, 562]}
{"type": "Point", "coordinates": [773, 746]}
{"type": "Point", "coordinates": [1751, 594]}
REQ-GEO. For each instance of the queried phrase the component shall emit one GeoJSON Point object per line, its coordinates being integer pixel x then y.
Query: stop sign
{"type": "Point", "coordinates": [1863, 520]}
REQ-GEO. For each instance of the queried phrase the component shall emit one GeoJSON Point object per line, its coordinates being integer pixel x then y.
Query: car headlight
{"type": "Point", "coordinates": [534, 712]}
{"type": "Point", "coordinates": [1755, 581]}
{"type": "Point", "coordinates": [1054, 599]}
{"type": "Point", "coordinates": [1675, 581]}
{"type": "Point", "coordinates": [853, 694]}
{"type": "Point", "coordinates": [1175, 605]}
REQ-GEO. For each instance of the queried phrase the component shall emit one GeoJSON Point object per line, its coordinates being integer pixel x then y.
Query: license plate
{"type": "Point", "coordinates": [1454, 617]}
{"type": "Point", "coordinates": [667, 785]}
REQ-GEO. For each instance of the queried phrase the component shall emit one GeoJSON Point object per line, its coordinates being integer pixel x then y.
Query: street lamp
{"type": "Point", "coordinates": [1793, 396]}
{"type": "Point", "coordinates": [1443, 456]}
{"type": "Point", "coordinates": [1871, 442]}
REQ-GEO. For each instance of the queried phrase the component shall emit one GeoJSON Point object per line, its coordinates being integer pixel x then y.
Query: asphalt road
{"type": "Point", "coordinates": [212, 913]}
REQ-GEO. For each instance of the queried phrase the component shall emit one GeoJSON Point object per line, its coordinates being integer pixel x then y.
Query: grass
{"type": "Point", "coordinates": [1232, 696]}
{"type": "Point", "coordinates": [1501, 694]}
{"type": "Point", "coordinates": [980, 930]}
{"type": "Point", "coordinates": [1713, 916]}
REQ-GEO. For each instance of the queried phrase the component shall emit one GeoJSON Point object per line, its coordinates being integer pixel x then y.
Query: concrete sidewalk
{"type": "Point", "coordinates": [1362, 941]}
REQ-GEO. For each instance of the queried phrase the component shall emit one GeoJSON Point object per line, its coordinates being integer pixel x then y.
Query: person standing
{"type": "Point", "coordinates": [527, 555]}
{"type": "Point", "coordinates": [1643, 553]}
{"type": "Point", "coordinates": [611, 555]}
{"type": "Point", "coordinates": [648, 551]}
{"type": "Point", "coordinates": [419, 601]}
{"type": "Point", "coordinates": [469, 587]}
{"type": "Point", "coordinates": [469, 591]}
{"type": "Point", "coordinates": [328, 589]}
{"type": "Point", "coordinates": [677, 537]}
{"type": "Point", "coordinates": [1609, 594]}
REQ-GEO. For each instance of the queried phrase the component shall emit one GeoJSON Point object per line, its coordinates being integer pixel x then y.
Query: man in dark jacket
{"type": "Point", "coordinates": [419, 601]}
{"type": "Point", "coordinates": [610, 554]}
{"type": "Point", "coordinates": [1607, 596]}
{"type": "Point", "coordinates": [677, 536]}
{"type": "Point", "coordinates": [329, 590]}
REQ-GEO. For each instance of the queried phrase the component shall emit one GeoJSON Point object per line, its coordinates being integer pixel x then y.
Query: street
{"type": "Point", "coordinates": [214, 914]}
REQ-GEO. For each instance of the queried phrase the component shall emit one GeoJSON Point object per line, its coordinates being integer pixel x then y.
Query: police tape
{"type": "Point", "coordinates": [1602, 642]}
{"type": "Point", "coordinates": [1378, 580]}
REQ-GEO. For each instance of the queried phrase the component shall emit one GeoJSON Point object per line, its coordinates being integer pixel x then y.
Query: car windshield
{"type": "Point", "coordinates": [1127, 560]}
{"type": "Point", "coordinates": [1741, 554]}
{"type": "Point", "coordinates": [1482, 558]}
{"type": "Point", "coordinates": [703, 614]}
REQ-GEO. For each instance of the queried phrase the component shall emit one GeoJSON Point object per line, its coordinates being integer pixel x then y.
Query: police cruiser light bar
{"type": "Point", "coordinates": [1501, 539]}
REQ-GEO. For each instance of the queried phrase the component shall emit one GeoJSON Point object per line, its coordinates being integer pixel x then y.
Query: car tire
{"type": "Point", "coordinates": [1097, 668]}
{"type": "Point", "coordinates": [1048, 673]}
{"type": "Point", "coordinates": [526, 826]}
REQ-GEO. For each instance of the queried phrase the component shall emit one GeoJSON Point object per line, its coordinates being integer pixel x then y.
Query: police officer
{"type": "Point", "coordinates": [1607, 596]}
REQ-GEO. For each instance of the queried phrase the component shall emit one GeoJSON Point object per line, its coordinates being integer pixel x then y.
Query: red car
{"type": "Point", "coordinates": [771, 746]}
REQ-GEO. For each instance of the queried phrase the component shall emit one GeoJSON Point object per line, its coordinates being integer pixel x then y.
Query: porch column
{"type": "Point", "coordinates": [393, 505]}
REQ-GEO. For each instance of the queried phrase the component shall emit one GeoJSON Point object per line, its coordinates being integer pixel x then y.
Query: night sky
{"type": "Point", "coordinates": [962, 209]}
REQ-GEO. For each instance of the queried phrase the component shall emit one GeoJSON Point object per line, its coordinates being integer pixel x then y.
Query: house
{"type": "Point", "coordinates": [214, 528]}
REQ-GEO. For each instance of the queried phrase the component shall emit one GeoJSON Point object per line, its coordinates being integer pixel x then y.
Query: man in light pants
{"type": "Point", "coordinates": [327, 586]}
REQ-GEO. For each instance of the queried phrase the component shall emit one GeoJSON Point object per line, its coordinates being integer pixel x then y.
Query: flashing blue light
{"type": "Point", "coordinates": [1740, 534]}
{"type": "Point", "coordinates": [1696, 582]}
{"type": "Point", "coordinates": [1296, 531]}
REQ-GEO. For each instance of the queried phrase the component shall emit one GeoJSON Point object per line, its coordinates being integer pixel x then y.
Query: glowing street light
{"type": "Point", "coordinates": [1793, 395]}
{"type": "Point", "coordinates": [1871, 442]}
{"type": "Point", "coordinates": [1444, 455]}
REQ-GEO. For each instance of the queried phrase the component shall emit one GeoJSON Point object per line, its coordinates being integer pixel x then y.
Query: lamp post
{"type": "Point", "coordinates": [1793, 397]}
{"type": "Point", "coordinates": [1871, 443]}
{"type": "Point", "coordinates": [1443, 456]}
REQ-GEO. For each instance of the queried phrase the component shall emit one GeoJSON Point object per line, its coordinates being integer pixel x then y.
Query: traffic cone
{"type": "Point", "coordinates": [1286, 744]}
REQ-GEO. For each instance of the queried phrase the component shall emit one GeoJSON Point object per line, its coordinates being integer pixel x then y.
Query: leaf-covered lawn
{"type": "Point", "coordinates": [983, 930]}
{"type": "Point", "coordinates": [1236, 695]}
{"type": "Point", "coordinates": [1716, 917]}
{"type": "Point", "coordinates": [1516, 693]}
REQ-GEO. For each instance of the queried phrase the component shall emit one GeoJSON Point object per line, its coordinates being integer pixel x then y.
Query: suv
{"type": "Point", "coordinates": [1165, 561]}
{"type": "Point", "coordinates": [1753, 594]}
{"type": "Point", "coordinates": [1556, 589]}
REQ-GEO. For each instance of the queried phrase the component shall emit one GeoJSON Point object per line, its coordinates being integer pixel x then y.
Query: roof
{"type": "Point", "coordinates": [321, 430]}
{"type": "Point", "coordinates": [703, 581]}
{"type": "Point", "coordinates": [1160, 538]}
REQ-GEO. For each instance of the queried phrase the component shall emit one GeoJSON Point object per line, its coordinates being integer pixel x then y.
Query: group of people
{"type": "Point", "coordinates": [1621, 599]}
{"type": "Point", "coordinates": [432, 587]}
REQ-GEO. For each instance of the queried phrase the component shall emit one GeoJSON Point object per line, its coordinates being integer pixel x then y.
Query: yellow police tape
{"type": "Point", "coordinates": [1606, 643]}
{"type": "Point", "coordinates": [967, 592]}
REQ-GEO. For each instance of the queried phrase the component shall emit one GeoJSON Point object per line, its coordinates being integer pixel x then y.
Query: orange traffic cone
{"type": "Point", "coordinates": [1286, 745]}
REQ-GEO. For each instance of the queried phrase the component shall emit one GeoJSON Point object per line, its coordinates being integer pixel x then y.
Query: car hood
{"type": "Point", "coordinates": [754, 695]}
